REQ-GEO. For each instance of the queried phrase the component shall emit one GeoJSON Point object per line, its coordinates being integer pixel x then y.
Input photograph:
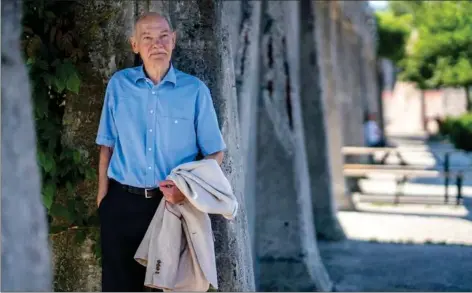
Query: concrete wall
{"type": "Point", "coordinates": [402, 107]}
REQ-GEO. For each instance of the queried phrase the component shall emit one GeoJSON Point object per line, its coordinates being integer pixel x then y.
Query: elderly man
{"type": "Point", "coordinates": [154, 118]}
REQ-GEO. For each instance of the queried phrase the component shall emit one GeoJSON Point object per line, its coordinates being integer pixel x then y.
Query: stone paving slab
{"type": "Point", "coordinates": [385, 267]}
{"type": "Point", "coordinates": [406, 247]}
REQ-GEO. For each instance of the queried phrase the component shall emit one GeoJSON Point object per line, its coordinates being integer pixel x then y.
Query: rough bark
{"type": "Point", "coordinates": [319, 111]}
{"type": "Point", "coordinates": [26, 263]}
{"type": "Point", "coordinates": [287, 250]}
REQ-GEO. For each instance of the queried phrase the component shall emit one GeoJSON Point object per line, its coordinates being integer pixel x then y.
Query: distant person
{"type": "Point", "coordinates": [373, 137]}
{"type": "Point", "coordinates": [372, 133]}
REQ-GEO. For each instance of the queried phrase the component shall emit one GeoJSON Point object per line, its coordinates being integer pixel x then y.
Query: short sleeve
{"type": "Point", "coordinates": [209, 137]}
{"type": "Point", "coordinates": [106, 135]}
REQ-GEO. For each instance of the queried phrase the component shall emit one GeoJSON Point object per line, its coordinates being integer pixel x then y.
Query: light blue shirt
{"type": "Point", "coordinates": [154, 128]}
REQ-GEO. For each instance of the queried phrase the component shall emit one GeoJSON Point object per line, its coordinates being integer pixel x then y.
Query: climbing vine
{"type": "Point", "coordinates": [52, 52]}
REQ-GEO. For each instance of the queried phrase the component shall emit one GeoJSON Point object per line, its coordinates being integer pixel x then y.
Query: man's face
{"type": "Point", "coordinates": [153, 40]}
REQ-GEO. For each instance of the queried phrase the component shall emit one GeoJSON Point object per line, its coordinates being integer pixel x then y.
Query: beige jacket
{"type": "Point", "coordinates": [178, 249]}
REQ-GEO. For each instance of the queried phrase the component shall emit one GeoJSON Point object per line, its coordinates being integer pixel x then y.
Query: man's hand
{"type": "Point", "coordinates": [171, 192]}
{"type": "Point", "coordinates": [100, 197]}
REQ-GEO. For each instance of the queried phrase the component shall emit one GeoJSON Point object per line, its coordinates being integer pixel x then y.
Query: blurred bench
{"type": "Point", "coordinates": [403, 171]}
{"type": "Point", "coordinates": [402, 174]}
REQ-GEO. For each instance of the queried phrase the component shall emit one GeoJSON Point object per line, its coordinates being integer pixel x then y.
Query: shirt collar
{"type": "Point", "coordinates": [170, 76]}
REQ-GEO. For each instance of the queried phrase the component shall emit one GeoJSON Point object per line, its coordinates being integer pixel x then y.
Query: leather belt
{"type": "Point", "coordinates": [146, 192]}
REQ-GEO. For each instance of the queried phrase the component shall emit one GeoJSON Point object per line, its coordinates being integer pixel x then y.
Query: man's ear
{"type": "Point", "coordinates": [174, 37]}
{"type": "Point", "coordinates": [134, 45]}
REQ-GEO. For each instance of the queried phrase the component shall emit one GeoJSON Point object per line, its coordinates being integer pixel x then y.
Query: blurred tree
{"type": "Point", "coordinates": [400, 8]}
{"type": "Point", "coordinates": [440, 51]}
{"type": "Point", "coordinates": [393, 34]}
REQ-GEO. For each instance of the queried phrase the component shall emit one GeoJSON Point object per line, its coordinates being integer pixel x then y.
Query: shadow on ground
{"type": "Point", "coordinates": [368, 266]}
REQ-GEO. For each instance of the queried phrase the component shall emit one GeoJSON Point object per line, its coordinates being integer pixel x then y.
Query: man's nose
{"type": "Point", "coordinates": [156, 42]}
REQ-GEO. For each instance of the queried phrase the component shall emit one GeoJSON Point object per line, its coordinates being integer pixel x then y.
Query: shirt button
{"type": "Point", "coordinates": [152, 111]}
{"type": "Point", "coordinates": [149, 149]}
{"type": "Point", "coordinates": [153, 92]}
{"type": "Point", "coordinates": [150, 130]}
{"type": "Point", "coordinates": [176, 121]}
{"type": "Point", "coordinates": [149, 168]}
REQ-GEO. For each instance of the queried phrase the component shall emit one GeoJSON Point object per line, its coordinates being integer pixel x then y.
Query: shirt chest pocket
{"type": "Point", "coordinates": [178, 131]}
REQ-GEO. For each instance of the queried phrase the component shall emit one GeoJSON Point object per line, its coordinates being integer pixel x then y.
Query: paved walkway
{"type": "Point", "coordinates": [406, 247]}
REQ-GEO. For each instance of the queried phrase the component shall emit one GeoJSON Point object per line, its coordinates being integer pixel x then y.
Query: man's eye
{"type": "Point", "coordinates": [147, 38]}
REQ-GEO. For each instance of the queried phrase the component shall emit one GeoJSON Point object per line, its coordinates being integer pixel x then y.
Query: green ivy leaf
{"type": "Point", "coordinates": [80, 236]}
{"type": "Point", "coordinates": [60, 84]}
{"type": "Point", "coordinates": [58, 210]}
{"type": "Point", "coordinates": [41, 158]}
{"type": "Point", "coordinates": [48, 78]}
{"type": "Point", "coordinates": [42, 64]}
{"type": "Point", "coordinates": [90, 174]}
{"type": "Point", "coordinates": [48, 194]}
{"type": "Point", "coordinates": [30, 61]}
{"type": "Point", "coordinates": [41, 107]}
{"type": "Point", "coordinates": [73, 83]}
{"type": "Point", "coordinates": [70, 188]}
{"type": "Point", "coordinates": [49, 163]}
{"type": "Point", "coordinates": [76, 156]}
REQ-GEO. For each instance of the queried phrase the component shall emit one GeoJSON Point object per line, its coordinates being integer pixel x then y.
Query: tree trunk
{"type": "Point", "coordinates": [380, 88]}
{"type": "Point", "coordinates": [467, 98]}
{"type": "Point", "coordinates": [26, 260]}
{"type": "Point", "coordinates": [424, 121]}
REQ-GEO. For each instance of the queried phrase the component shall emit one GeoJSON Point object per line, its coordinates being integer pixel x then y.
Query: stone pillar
{"type": "Point", "coordinates": [247, 71]}
{"type": "Point", "coordinates": [364, 101]}
{"type": "Point", "coordinates": [343, 195]}
{"type": "Point", "coordinates": [26, 259]}
{"type": "Point", "coordinates": [108, 50]}
{"type": "Point", "coordinates": [354, 78]}
{"type": "Point", "coordinates": [319, 114]}
{"type": "Point", "coordinates": [286, 241]}
{"type": "Point", "coordinates": [204, 50]}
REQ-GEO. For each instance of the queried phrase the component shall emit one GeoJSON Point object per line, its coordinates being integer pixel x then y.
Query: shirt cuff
{"type": "Point", "coordinates": [213, 147]}
{"type": "Point", "coordinates": [105, 141]}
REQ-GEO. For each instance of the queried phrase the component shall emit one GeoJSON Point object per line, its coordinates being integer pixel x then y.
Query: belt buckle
{"type": "Point", "coordinates": [146, 193]}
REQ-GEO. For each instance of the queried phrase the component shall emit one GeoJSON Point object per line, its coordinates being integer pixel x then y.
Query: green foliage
{"type": "Point", "coordinates": [445, 42]}
{"type": "Point", "coordinates": [440, 50]}
{"type": "Point", "coordinates": [393, 34]}
{"type": "Point", "coordinates": [401, 8]}
{"type": "Point", "coordinates": [52, 50]}
{"type": "Point", "coordinates": [459, 131]}
{"type": "Point", "coordinates": [445, 126]}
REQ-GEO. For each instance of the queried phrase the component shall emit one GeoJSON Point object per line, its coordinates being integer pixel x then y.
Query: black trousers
{"type": "Point", "coordinates": [124, 219]}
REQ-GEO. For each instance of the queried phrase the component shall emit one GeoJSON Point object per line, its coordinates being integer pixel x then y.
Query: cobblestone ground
{"type": "Point", "coordinates": [418, 245]}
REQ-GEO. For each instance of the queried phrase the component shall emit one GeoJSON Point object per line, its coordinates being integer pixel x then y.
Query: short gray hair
{"type": "Point", "coordinates": [154, 13]}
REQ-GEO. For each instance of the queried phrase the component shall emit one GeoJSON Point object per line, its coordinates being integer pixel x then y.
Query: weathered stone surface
{"type": "Point", "coordinates": [286, 241]}
{"type": "Point", "coordinates": [108, 50]}
{"type": "Point", "coordinates": [205, 51]}
{"type": "Point", "coordinates": [26, 263]}
{"type": "Point", "coordinates": [335, 107]}
{"type": "Point", "coordinates": [320, 111]}
{"type": "Point", "coordinates": [247, 71]}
